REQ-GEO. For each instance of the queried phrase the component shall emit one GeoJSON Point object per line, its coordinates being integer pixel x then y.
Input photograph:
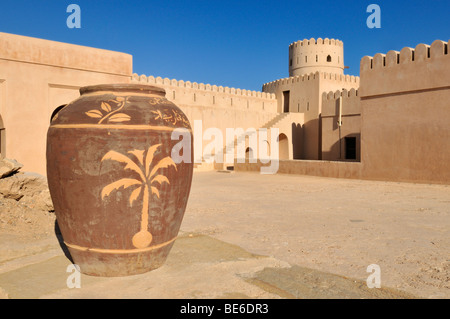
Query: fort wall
{"type": "Point", "coordinates": [334, 137]}
{"type": "Point", "coordinates": [398, 109]}
{"type": "Point", "coordinates": [405, 110]}
{"type": "Point", "coordinates": [305, 90]}
{"type": "Point", "coordinates": [216, 106]}
{"type": "Point", "coordinates": [192, 93]}
{"type": "Point", "coordinates": [37, 76]}
{"type": "Point", "coordinates": [305, 96]}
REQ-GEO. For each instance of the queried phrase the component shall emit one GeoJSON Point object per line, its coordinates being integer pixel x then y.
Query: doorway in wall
{"type": "Point", "coordinates": [286, 97]}
{"type": "Point", "coordinates": [350, 148]}
{"type": "Point", "coordinates": [283, 144]}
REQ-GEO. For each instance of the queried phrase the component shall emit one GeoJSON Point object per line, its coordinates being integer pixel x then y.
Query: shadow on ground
{"type": "Point", "coordinates": [198, 266]}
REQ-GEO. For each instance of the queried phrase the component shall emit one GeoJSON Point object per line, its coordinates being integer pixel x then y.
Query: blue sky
{"type": "Point", "coordinates": [240, 44]}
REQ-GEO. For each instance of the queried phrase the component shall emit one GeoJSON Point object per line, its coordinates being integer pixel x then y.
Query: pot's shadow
{"type": "Point", "coordinates": [61, 242]}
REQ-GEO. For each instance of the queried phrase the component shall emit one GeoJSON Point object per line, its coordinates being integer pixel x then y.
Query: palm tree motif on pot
{"type": "Point", "coordinates": [146, 184]}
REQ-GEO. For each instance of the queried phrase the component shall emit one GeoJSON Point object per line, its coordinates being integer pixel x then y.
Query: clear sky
{"type": "Point", "coordinates": [240, 44]}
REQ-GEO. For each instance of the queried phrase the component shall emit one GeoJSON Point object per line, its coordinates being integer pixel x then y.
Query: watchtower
{"type": "Point", "coordinates": [310, 56]}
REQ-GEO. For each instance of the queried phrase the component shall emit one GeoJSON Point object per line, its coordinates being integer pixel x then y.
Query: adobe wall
{"type": "Point", "coordinates": [405, 114]}
{"type": "Point", "coordinates": [333, 146]}
{"type": "Point", "coordinates": [37, 76]}
{"type": "Point", "coordinates": [306, 97]}
{"type": "Point", "coordinates": [217, 106]}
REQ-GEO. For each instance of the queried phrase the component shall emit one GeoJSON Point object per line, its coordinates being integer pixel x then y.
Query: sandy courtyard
{"type": "Point", "coordinates": [333, 225]}
{"type": "Point", "coordinates": [262, 236]}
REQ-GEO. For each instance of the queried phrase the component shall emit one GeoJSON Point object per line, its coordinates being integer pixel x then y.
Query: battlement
{"type": "Point", "coordinates": [311, 77]}
{"type": "Point", "coordinates": [193, 94]}
{"type": "Point", "coordinates": [291, 80]}
{"type": "Point", "coordinates": [350, 103]}
{"type": "Point", "coordinates": [319, 41]}
{"type": "Point", "coordinates": [422, 53]}
{"type": "Point", "coordinates": [353, 93]}
{"type": "Point", "coordinates": [424, 68]}
{"type": "Point", "coordinates": [200, 86]}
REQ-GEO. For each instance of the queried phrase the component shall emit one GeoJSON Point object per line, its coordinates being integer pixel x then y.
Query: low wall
{"type": "Point", "coordinates": [350, 170]}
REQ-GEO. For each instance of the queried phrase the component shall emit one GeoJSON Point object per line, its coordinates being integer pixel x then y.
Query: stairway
{"type": "Point", "coordinates": [241, 139]}
{"type": "Point", "coordinates": [235, 144]}
{"type": "Point", "coordinates": [275, 120]}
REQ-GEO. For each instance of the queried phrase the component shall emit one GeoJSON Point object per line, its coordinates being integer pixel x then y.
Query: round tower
{"type": "Point", "coordinates": [310, 56]}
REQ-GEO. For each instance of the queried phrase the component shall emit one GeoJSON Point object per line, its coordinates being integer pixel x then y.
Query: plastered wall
{"type": "Point", "coordinates": [37, 76]}
{"type": "Point", "coordinates": [333, 135]}
{"type": "Point", "coordinates": [405, 112]}
{"type": "Point", "coordinates": [217, 106]}
{"type": "Point", "coordinates": [305, 96]}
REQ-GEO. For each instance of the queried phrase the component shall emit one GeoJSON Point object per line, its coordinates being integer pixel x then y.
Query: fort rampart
{"type": "Point", "coordinates": [341, 125]}
{"type": "Point", "coordinates": [405, 114]}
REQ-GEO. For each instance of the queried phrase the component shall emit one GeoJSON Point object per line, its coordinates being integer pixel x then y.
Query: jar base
{"type": "Point", "coordinates": [119, 265]}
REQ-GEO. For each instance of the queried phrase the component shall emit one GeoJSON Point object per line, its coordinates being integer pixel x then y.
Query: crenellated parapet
{"type": "Point", "coordinates": [421, 68]}
{"type": "Point", "coordinates": [338, 78]}
{"type": "Point", "coordinates": [200, 86]}
{"type": "Point", "coordinates": [319, 41]}
{"type": "Point", "coordinates": [422, 53]}
{"type": "Point", "coordinates": [345, 94]}
{"type": "Point", "coordinates": [405, 114]}
{"type": "Point", "coordinates": [206, 95]}
{"type": "Point", "coordinates": [350, 103]}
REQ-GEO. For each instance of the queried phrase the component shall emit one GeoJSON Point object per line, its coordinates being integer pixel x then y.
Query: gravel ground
{"type": "Point", "coordinates": [334, 226]}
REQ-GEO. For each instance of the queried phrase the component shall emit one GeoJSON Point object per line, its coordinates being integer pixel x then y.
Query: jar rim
{"type": "Point", "coordinates": [124, 87]}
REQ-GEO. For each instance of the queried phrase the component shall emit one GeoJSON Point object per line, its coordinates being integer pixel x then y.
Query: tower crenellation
{"type": "Point", "coordinates": [310, 56]}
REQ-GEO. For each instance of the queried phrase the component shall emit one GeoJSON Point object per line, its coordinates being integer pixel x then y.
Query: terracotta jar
{"type": "Point", "coordinates": [119, 194]}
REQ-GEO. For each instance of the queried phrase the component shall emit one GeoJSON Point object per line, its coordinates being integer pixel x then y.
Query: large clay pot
{"type": "Point", "coordinates": [119, 196]}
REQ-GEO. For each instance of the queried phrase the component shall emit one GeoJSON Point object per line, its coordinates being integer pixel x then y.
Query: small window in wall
{"type": "Point", "coordinates": [306, 59]}
{"type": "Point", "coordinates": [317, 58]}
{"type": "Point", "coordinates": [195, 96]}
{"type": "Point", "coordinates": [286, 97]}
{"type": "Point", "coordinates": [290, 62]}
{"type": "Point", "coordinates": [350, 148]}
{"type": "Point", "coordinates": [329, 58]}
